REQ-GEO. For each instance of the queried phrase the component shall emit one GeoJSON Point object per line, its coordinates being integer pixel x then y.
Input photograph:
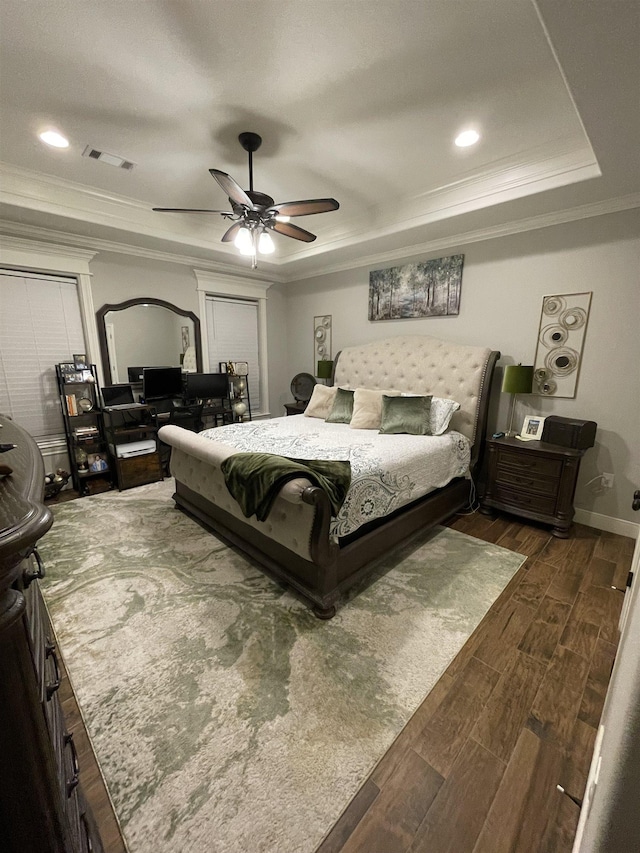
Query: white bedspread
{"type": "Point", "coordinates": [387, 471]}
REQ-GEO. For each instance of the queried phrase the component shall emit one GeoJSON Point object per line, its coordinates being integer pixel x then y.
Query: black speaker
{"type": "Point", "coordinates": [569, 432]}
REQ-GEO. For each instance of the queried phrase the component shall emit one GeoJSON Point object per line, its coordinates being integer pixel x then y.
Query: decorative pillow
{"type": "Point", "coordinates": [321, 401]}
{"type": "Point", "coordinates": [442, 410]}
{"type": "Point", "coordinates": [342, 408]}
{"type": "Point", "coordinates": [367, 408]}
{"type": "Point", "coordinates": [405, 414]}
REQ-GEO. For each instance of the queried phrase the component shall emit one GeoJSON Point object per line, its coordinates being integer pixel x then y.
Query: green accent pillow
{"type": "Point", "coordinates": [406, 415]}
{"type": "Point", "coordinates": [342, 408]}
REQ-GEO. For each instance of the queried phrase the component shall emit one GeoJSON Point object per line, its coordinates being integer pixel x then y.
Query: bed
{"type": "Point", "coordinates": [319, 553]}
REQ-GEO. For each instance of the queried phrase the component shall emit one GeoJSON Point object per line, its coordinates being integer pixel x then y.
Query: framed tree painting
{"type": "Point", "coordinates": [426, 289]}
{"type": "Point", "coordinates": [563, 324]}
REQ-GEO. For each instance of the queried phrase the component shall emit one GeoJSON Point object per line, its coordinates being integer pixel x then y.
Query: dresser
{"type": "Point", "coordinates": [42, 808]}
{"type": "Point", "coordinates": [533, 479]}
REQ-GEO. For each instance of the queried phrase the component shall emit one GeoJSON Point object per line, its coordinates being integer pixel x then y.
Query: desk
{"type": "Point", "coordinates": [125, 426]}
{"type": "Point", "coordinates": [223, 414]}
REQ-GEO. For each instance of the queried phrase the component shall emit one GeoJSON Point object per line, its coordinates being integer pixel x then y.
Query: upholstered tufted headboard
{"type": "Point", "coordinates": [423, 365]}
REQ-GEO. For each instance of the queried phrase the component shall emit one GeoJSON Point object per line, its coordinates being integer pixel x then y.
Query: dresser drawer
{"type": "Point", "coordinates": [526, 481]}
{"type": "Point", "coordinates": [522, 500]}
{"type": "Point", "coordinates": [529, 463]}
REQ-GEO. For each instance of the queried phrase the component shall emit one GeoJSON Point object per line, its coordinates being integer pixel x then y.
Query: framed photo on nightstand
{"type": "Point", "coordinates": [532, 428]}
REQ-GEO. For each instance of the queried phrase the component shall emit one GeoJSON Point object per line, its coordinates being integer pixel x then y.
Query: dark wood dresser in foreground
{"type": "Point", "coordinates": [42, 808]}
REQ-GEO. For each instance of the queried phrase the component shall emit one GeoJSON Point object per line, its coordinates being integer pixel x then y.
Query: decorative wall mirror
{"type": "Point", "coordinates": [147, 333]}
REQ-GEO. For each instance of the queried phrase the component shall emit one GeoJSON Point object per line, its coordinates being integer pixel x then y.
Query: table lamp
{"type": "Point", "coordinates": [324, 370]}
{"type": "Point", "coordinates": [517, 379]}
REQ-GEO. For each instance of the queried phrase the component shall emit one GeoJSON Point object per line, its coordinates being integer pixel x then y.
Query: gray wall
{"type": "Point", "coordinates": [502, 288]}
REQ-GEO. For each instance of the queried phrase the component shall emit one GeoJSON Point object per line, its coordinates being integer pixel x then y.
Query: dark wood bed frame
{"type": "Point", "coordinates": [338, 566]}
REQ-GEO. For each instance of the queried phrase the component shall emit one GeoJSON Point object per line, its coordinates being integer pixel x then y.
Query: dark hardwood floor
{"type": "Point", "coordinates": [516, 713]}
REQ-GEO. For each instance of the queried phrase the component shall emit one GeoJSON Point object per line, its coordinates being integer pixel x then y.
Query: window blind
{"type": "Point", "coordinates": [232, 335]}
{"type": "Point", "coordinates": [40, 325]}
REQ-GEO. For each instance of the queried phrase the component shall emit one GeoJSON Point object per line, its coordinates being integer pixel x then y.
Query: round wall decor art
{"type": "Point", "coordinates": [561, 335]}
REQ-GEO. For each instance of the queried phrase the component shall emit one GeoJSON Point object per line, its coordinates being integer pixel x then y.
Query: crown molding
{"type": "Point", "coordinates": [493, 232]}
{"type": "Point", "coordinates": [226, 285]}
{"type": "Point", "coordinates": [536, 170]}
{"type": "Point", "coordinates": [16, 251]}
{"type": "Point", "coordinates": [94, 245]}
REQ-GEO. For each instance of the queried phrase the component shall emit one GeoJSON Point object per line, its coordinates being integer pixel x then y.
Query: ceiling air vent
{"type": "Point", "coordinates": [109, 159]}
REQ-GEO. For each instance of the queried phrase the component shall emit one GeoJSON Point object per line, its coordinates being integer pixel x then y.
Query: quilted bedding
{"type": "Point", "coordinates": [388, 471]}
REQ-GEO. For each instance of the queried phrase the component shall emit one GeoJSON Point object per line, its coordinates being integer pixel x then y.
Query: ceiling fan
{"type": "Point", "coordinates": [255, 213]}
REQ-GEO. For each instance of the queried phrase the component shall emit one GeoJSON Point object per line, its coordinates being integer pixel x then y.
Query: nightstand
{"type": "Point", "coordinates": [533, 479]}
{"type": "Point", "coordinates": [296, 408]}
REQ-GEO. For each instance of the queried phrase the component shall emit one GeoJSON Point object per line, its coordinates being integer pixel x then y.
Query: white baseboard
{"type": "Point", "coordinates": [606, 522]}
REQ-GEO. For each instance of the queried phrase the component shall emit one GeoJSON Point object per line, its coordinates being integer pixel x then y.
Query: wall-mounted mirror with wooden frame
{"type": "Point", "coordinates": [147, 333]}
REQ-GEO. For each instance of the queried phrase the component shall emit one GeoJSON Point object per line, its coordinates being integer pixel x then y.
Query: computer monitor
{"type": "Point", "coordinates": [161, 383]}
{"type": "Point", "coordinates": [207, 386]}
{"type": "Point", "coordinates": [135, 374]}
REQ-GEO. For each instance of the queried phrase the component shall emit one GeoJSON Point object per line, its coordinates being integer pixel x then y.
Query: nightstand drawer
{"type": "Point", "coordinates": [530, 463]}
{"type": "Point", "coordinates": [524, 481]}
{"type": "Point", "coordinates": [535, 503]}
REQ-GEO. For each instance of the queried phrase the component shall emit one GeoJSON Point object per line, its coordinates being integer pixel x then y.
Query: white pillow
{"type": "Point", "coordinates": [367, 408]}
{"type": "Point", "coordinates": [442, 410]}
{"type": "Point", "coordinates": [321, 401]}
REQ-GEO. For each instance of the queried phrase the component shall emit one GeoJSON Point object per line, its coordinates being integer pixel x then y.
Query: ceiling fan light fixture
{"type": "Point", "coordinates": [265, 243]}
{"type": "Point", "coordinates": [244, 241]}
{"type": "Point", "coordinates": [255, 213]}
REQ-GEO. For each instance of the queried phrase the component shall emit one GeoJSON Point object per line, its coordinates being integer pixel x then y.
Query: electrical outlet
{"type": "Point", "coordinates": [607, 481]}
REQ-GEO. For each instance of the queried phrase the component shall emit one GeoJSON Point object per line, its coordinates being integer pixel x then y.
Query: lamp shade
{"type": "Point", "coordinates": [324, 370]}
{"type": "Point", "coordinates": [517, 379]}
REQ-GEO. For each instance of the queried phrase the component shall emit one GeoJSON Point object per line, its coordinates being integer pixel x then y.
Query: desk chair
{"type": "Point", "coordinates": [189, 417]}
{"type": "Point", "coordinates": [220, 410]}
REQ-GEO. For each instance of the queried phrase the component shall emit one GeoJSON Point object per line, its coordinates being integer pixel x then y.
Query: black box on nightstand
{"type": "Point", "coordinates": [569, 432]}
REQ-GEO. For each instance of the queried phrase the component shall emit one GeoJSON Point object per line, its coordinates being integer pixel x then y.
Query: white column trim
{"type": "Point", "coordinates": [218, 284]}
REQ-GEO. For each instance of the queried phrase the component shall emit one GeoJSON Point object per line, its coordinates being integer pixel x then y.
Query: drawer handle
{"type": "Point", "coordinates": [30, 576]}
{"type": "Point", "coordinates": [522, 499]}
{"type": "Point", "coordinates": [524, 481]}
{"type": "Point", "coordinates": [73, 782]}
{"type": "Point", "coordinates": [87, 833]}
{"type": "Point", "coordinates": [52, 686]}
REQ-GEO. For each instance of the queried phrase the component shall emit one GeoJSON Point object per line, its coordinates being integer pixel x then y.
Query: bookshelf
{"type": "Point", "coordinates": [86, 445]}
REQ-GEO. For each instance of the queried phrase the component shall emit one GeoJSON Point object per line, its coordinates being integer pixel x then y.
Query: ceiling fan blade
{"type": "Point", "coordinates": [290, 230]}
{"type": "Point", "coordinates": [305, 208]}
{"type": "Point", "coordinates": [190, 210]}
{"type": "Point", "coordinates": [230, 233]}
{"type": "Point", "coordinates": [232, 189]}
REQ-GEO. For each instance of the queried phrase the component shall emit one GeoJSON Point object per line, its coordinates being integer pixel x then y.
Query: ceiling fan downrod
{"type": "Point", "coordinates": [250, 142]}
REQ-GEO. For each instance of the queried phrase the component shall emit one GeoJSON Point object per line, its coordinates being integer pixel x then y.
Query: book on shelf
{"type": "Point", "coordinates": [72, 405]}
{"type": "Point", "coordinates": [86, 433]}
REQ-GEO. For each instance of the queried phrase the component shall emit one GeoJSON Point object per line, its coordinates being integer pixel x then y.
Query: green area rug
{"type": "Point", "coordinates": [225, 716]}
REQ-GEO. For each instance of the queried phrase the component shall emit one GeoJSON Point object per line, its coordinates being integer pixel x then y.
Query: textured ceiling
{"type": "Point", "coordinates": [356, 99]}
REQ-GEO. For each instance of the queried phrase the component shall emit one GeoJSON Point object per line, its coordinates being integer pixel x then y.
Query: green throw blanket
{"type": "Point", "coordinates": [254, 479]}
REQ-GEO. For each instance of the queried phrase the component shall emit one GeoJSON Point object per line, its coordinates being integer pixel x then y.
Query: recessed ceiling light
{"type": "Point", "coordinates": [53, 138]}
{"type": "Point", "coordinates": [466, 138]}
